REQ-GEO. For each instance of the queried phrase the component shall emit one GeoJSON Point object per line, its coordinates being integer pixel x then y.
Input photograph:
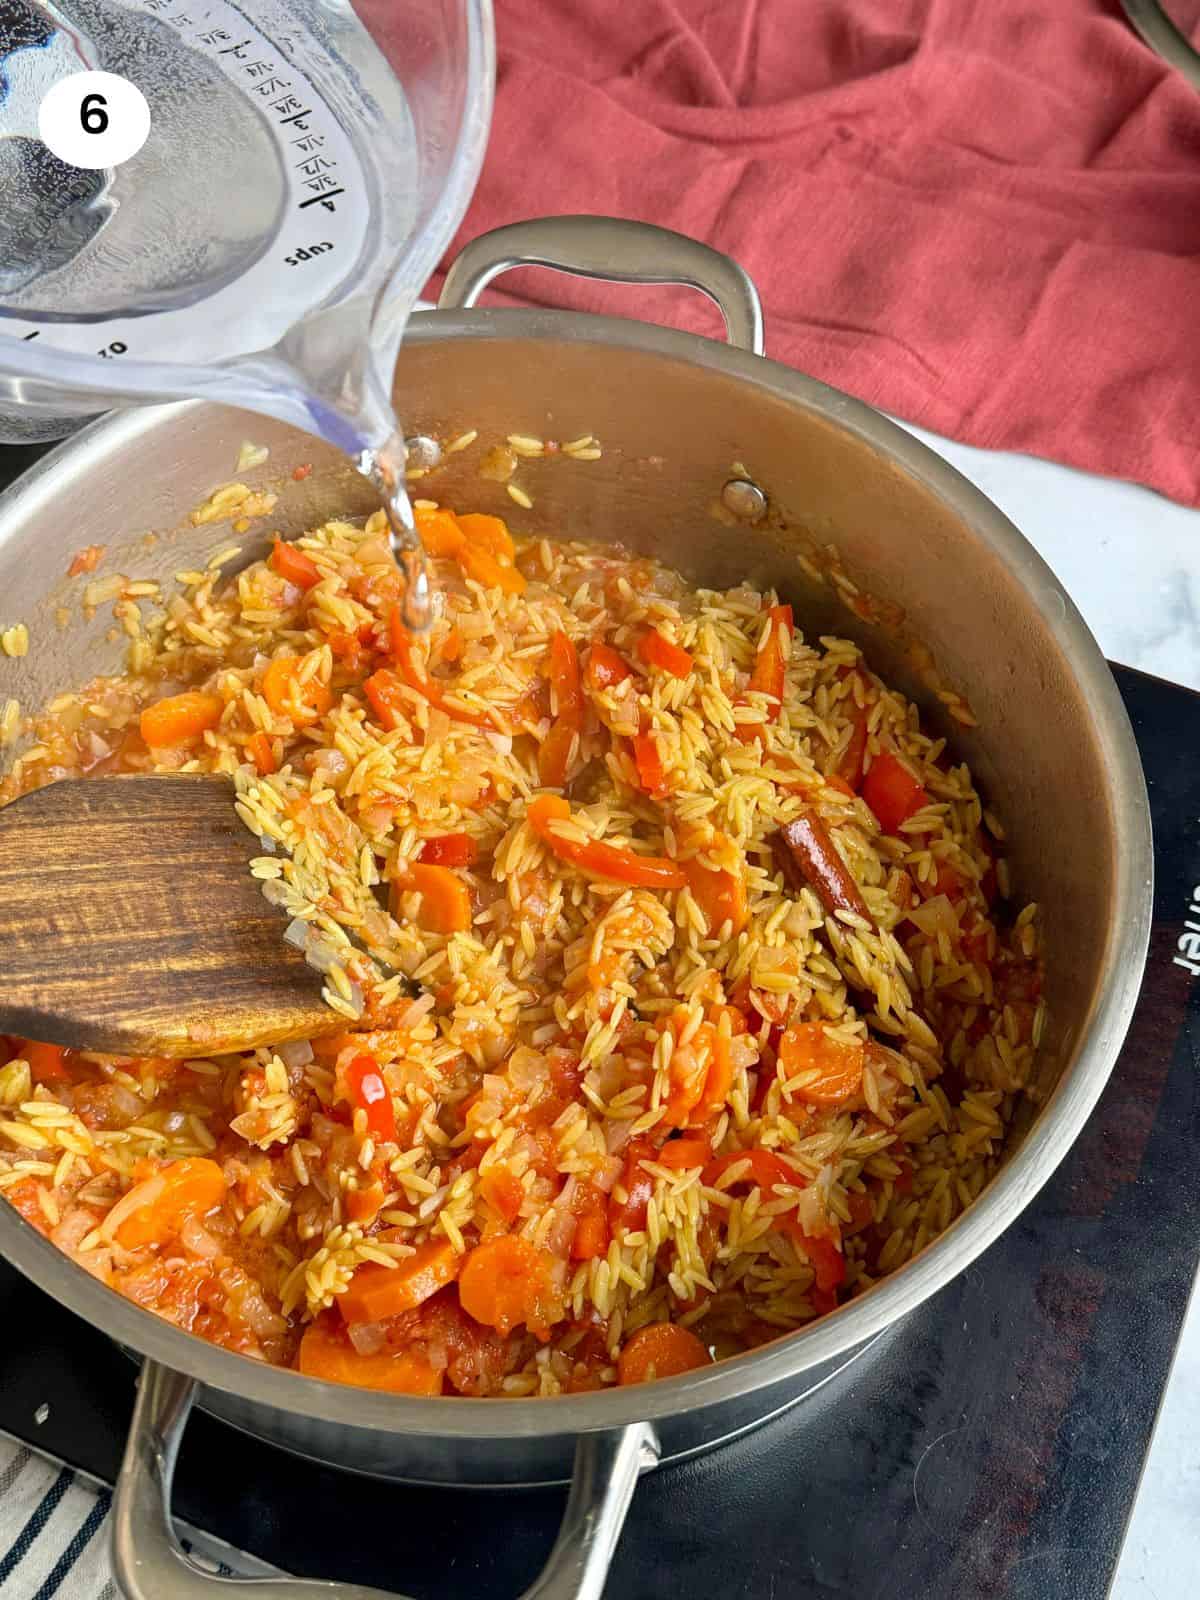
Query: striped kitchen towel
{"type": "Point", "coordinates": [54, 1534]}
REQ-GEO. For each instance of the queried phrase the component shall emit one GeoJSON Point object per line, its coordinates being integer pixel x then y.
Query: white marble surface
{"type": "Point", "coordinates": [1131, 562]}
{"type": "Point", "coordinates": [1128, 558]}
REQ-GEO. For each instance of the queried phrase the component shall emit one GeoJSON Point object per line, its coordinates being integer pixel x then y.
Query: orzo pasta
{"type": "Point", "coordinates": [675, 999]}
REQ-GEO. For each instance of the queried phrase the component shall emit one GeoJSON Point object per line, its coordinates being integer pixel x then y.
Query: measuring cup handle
{"type": "Point", "coordinates": [616, 250]}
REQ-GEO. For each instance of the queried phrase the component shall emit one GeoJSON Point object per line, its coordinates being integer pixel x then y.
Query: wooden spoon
{"type": "Point", "coordinates": [129, 923]}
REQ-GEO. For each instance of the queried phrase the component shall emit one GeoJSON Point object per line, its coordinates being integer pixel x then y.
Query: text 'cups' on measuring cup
{"type": "Point", "coordinates": [263, 248]}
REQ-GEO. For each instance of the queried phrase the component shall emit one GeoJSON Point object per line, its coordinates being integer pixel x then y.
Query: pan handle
{"type": "Point", "coordinates": [1163, 37]}
{"type": "Point", "coordinates": [616, 250]}
{"type": "Point", "coordinates": [148, 1561]}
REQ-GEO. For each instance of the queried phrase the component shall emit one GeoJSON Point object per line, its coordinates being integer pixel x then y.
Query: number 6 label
{"type": "Point", "coordinates": [94, 119]}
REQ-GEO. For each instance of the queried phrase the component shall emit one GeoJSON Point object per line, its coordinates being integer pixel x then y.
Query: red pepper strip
{"type": "Point", "coordinates": [770, 664]}
{"type": "Point", "coordinates": [371, 1095]}
{"type": "Point", "coordinates": [47, 1062]}
{"type": "Point", "coordinates": [656, 650]}
{"type": "Point", "coordinates": [605, 668]}
{"type": "Point", "coordinates": [429, 688]}
{"type": "Point", "coordinates": [850, 763]}
{"type": "Point", "coordinates": [638, 1186]}
{"type": "Point", "coordinates": [766, 1170]}
{"type": "Point", "coordinates": [769, 671]}
{"type": "Point", "coordinates": [293, 565]}
{"type": "Point", "coordinates": [449, 850]}
{"type": "Point", "coordinates": [600, 859]}
{"type": "Point", "coordinates": [892, 792]}
{"type": "Point", "coordinates": [564, 679]}
{"type": "Point", "coordinates": [652, 775]}
{"type": "Point", "coordinates": [554, 754]}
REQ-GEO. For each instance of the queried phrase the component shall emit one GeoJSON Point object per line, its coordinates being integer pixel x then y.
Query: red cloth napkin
{"type": "Point", "coordinates": [982, 215]}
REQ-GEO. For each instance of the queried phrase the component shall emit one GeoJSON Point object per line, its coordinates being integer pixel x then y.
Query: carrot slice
{"type": "Point", "coordinates": [439, 532]}
{"type": "Point", "coordinates": [290, 696]}
{"type": "Point", "coordinates": [600, 859]}
{"type": "Point", "coordinates": [376, 1292]}
{"type": "Point", "coordinates": [489, 534]}
{"type": "Point", "coordinates": [656, 650]}
{"type": "Point", "coordinates": [835, 1065]}
{"type": "Point", "coordinates": [502, 1190]}
{"type": "Point", "coordinates": [492, 574]}
{"type": "Point", "coordinates": [660, 1350]}
{"type": "Point", "coordinates": [364, 1205]}
{"type": "Point", "coordinates": [720, 894]}
{"type": "Point", "coordinates": [156, 1208]}
{"type": "Point", "coordinates": [262, 753]}
{"type": "Point", "coordinates": [507, 1281]}
{"type": "Point", "coordinates": [445, 898]}
{"type": "Point", "coordinates": [180, 718]}
{"type": "Point", "coordinates": [326, 1352]}
{"type": "Point", "coordinates": [294, 565]}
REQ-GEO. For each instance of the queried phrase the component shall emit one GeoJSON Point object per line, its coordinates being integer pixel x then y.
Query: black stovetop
{"type": "Point", "coordinates": [990, 1447]}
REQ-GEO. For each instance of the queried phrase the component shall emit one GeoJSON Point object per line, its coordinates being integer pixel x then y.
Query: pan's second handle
{"type": "Point", "coordinates": [149, 1563]}
{"type": "Point", "coordinates": [617, 251]}
{"type": "Point", "coordinates": [1160, 33]}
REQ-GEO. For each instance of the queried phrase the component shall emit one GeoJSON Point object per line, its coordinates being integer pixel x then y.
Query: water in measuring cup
{"type": "Point", "coordinates": [244, 252]}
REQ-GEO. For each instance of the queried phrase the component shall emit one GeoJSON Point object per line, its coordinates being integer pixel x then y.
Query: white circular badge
{"type": "Point", "coordinates": [94, 119]}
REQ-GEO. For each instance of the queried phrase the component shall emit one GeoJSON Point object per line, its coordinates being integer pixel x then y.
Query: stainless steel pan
{"type": "Point", "coordinates": [730, 467]}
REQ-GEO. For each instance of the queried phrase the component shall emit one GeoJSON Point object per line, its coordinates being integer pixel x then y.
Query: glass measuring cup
{"type": "Point", "coordinates": [301, 178]}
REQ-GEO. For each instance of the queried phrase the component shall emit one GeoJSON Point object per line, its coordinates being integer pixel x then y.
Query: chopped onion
{"type": "Point", "coordinates": [527, 1069]}
{"type": "Point", "coordinates": [368, 1338]}
{"type": "Point", "coordinates": [375, 552]}
{"type": "Point", "coordinates": [608, 1172]}
{"type": "Point", "coordinates": [743, 1051]}
{"type": "Point", "coordinates": [501, 743]}
{"type": "Point", "coordinates": [195, 1237]}
{"type": "Point", "coordinates": [74, 1228]}
{"type": "Point", "coordinates": [420, 1008]}
{"type": "Point", "coordinates": [320, 955]}
{"type": "Point", "coordinates": [327, 760]}
{"type": "Point", "coordinates": [295, 1053]}
{"type": "Point", "coordinates": [268, 844]}
{"type": "Point", "coordinates": [561, 1232]}
{"type": "Point", "coordinates": [297, 932]}
{"type": "Point", "coordinates": [617, 1135]}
